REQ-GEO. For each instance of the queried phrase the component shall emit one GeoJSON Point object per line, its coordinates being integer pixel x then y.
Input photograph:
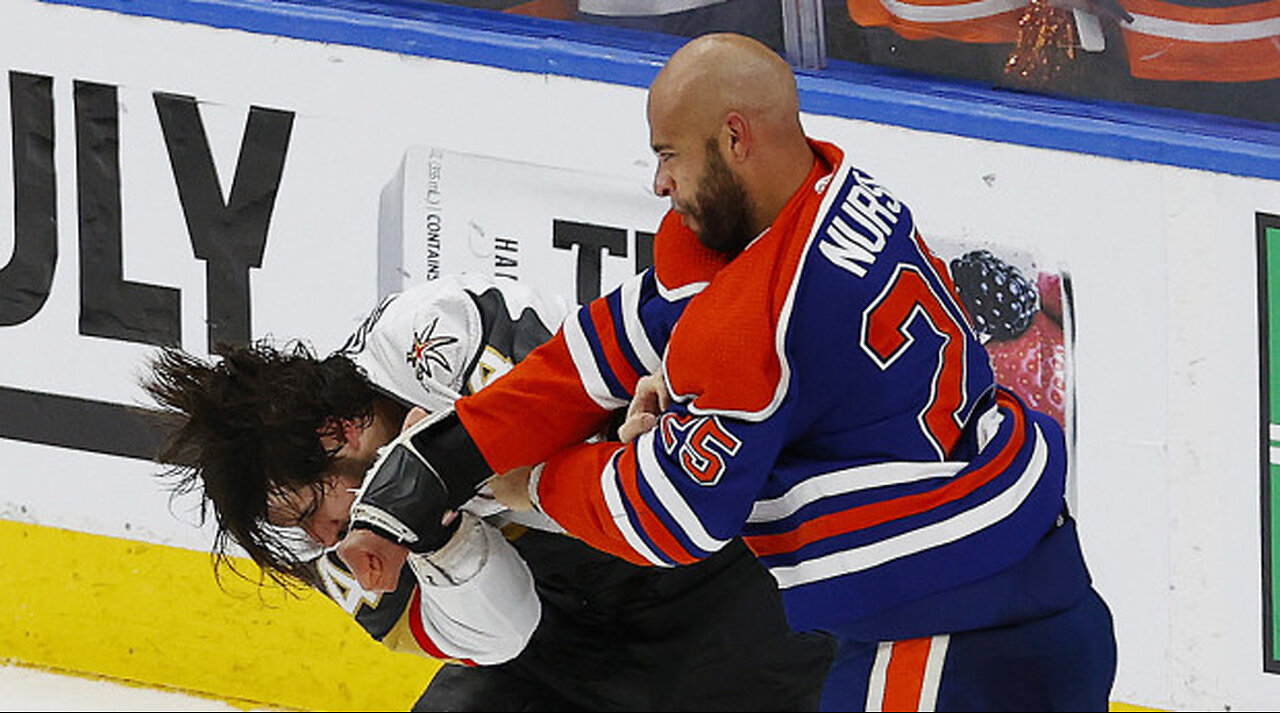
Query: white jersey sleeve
{"type": "Point", "coordinates": [477, 605]}
{"type": "Point", "coordinates": [471, 602]}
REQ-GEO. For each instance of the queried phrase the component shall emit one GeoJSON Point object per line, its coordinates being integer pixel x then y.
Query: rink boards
{"type": "Point", "coordinates": [368, 134]}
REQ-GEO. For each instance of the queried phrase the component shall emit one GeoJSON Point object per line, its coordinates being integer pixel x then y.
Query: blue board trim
{"type": "Point", "coordinates": [848, 90]}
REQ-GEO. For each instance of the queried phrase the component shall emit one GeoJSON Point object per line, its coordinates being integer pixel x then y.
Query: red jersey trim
{"type": "Point", "coordinates": [733, 325]}
{"type": "Point", "coordinates": [628, 474]}
{"type": "Point", "coordinates": [420, 634]}
{"type": "Point", "coordinates": [866, 516]}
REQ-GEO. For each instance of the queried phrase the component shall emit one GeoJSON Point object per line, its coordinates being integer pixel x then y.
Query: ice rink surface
{"type": "Point", "coordinates": [33, 689]}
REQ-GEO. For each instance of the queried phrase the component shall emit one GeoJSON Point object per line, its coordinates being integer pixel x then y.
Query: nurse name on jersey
{"type": "Point", "coordinates": [862, 218]}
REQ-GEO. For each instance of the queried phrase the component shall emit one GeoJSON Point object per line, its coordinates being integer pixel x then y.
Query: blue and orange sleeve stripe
{"type": "Point", "coordinates": [570, 493]}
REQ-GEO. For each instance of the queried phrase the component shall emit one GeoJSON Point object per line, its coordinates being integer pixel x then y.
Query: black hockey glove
{"type": "Point", "coordinates": [431, 468]}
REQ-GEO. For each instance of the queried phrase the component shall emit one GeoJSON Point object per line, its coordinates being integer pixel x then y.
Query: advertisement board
{"type": "Point", "coordinates": [196, 179]}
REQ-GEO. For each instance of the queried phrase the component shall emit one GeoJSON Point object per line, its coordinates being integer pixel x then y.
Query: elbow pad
{"type": "Point", "coordinates": [429, 469]}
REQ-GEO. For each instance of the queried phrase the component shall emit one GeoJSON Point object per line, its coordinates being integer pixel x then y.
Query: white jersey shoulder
{"type": "Point", "coordinates": [436, 341]}
{"type": "Point", "coordinates": [427, 346]}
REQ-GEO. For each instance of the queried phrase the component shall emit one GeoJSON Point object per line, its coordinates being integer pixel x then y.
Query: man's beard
{"type": "Point", "coordinates": [721, 212]}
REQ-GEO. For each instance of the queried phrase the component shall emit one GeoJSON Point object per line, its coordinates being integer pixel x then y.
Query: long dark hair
{"type": "Point", "coordinates": [246, 424]}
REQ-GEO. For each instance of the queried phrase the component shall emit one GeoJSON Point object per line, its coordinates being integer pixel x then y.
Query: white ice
{"type": "Point", "coordinates": [33, 689]}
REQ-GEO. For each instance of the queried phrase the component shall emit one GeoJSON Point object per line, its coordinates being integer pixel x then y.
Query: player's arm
{"type": "Point", "coordinates": [672, 496]}
{"type": "Point", "coordinates": [563, 391]}
{"type": "Point", "coordinates": [559, 395]}
{"type": "Point", "coordinates": [472, 601]}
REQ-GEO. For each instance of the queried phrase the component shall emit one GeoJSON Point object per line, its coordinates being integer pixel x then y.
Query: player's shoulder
{"type": "Point", "coordinates": [470, 304]}
{"type": "Point", "coordinates": [680, 260]}
{"type": "Point", "coordinates": [420, 344]}
{"type": "Point", "coordinates": [731, 328]}
{"type": "Point", "coordinates": [456, 293]}
{"type": "Point", "coordinates": [504, 302]}
{"type": "Point", "coordinates": [862, 230]}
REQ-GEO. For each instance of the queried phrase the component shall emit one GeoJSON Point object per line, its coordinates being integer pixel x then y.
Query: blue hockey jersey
{"type": "Point", "coordinates": [831, 404]}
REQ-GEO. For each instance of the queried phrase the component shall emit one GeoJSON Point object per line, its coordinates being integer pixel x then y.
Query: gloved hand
{"type": "Point", "coordinates": [429, 470]}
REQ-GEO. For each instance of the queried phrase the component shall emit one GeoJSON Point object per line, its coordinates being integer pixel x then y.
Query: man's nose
{"type": "Point", "coordinates": [662, 183]}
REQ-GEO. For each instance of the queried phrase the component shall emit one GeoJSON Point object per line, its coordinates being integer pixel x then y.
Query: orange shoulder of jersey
{"type": "Point", "coordinates": [723, 352]}
{"type": "Point", "coordinates": [1183, 41]}
{"type": "Point", "coordinates": [679, 259]}
{"type": "Point", "coordinates": [976, 21]}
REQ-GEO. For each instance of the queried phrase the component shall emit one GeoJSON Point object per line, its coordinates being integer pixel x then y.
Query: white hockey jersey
{"type": "Point", "coordinates": [473, 601]}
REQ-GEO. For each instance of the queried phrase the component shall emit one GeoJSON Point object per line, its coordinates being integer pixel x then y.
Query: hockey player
{"type": "Point", "coordinates": [829, 401]}
{"type": "Point", "coordinates": [278, 441]}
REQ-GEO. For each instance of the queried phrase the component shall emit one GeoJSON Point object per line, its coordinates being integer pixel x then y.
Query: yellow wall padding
{"type": "Point", "coordinates": [155, 615]}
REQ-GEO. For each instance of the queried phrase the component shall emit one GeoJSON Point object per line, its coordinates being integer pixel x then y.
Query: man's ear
{"type": "Point", "coordinates": [738, 133]}
{"type": "Point", "coordinates": [417, 413]}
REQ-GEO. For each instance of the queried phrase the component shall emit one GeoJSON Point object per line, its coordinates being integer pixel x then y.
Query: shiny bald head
{"type": "Point", "coordinates": [715, 74]}
{"type": "Point", "coordinates": [724, 121]}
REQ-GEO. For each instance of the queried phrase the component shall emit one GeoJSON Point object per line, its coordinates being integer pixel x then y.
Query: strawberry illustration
{"type": "Point", "coordinates": [1020, 322]}
{"type": "Point", "coordinates": [1049, 285]}
{"type": "Point", "coordinates": [1033, 365]}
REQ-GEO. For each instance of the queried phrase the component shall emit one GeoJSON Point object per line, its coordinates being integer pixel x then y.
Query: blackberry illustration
{"type": "Point", "coordinates": [1000, 300]}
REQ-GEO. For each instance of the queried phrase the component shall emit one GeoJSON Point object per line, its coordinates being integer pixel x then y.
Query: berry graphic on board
{"type": "Point", "coordinates": [1000, 300]}
{"type": "Point", "coordinates": [1034, 366]}
{"type": "Point", "coordinates": [1020, 322]}
{"type": "Point", "coordinates": [1050, 287]}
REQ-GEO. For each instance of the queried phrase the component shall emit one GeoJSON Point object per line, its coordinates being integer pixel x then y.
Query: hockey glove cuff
{"type": "Point", "coordinates": [431, 468]}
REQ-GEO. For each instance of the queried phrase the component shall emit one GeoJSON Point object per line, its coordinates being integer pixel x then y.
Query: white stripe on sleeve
{"type": "Point", "coordinates": [672, 501]}
{"type": "Point", "coordinates": [613, 499]}
{"type": "Point", "coordinates": [585, 362]}
{"type": "Point", "coordinates": [636, 336]}
{"type": "Point", "coordinates": [848, 480]}
{"type": "Point", "coordinates": [940, 533]}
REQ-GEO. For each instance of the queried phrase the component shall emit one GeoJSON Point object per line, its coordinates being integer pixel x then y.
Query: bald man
{"type": "Point", "coordinates": [809, 382]}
